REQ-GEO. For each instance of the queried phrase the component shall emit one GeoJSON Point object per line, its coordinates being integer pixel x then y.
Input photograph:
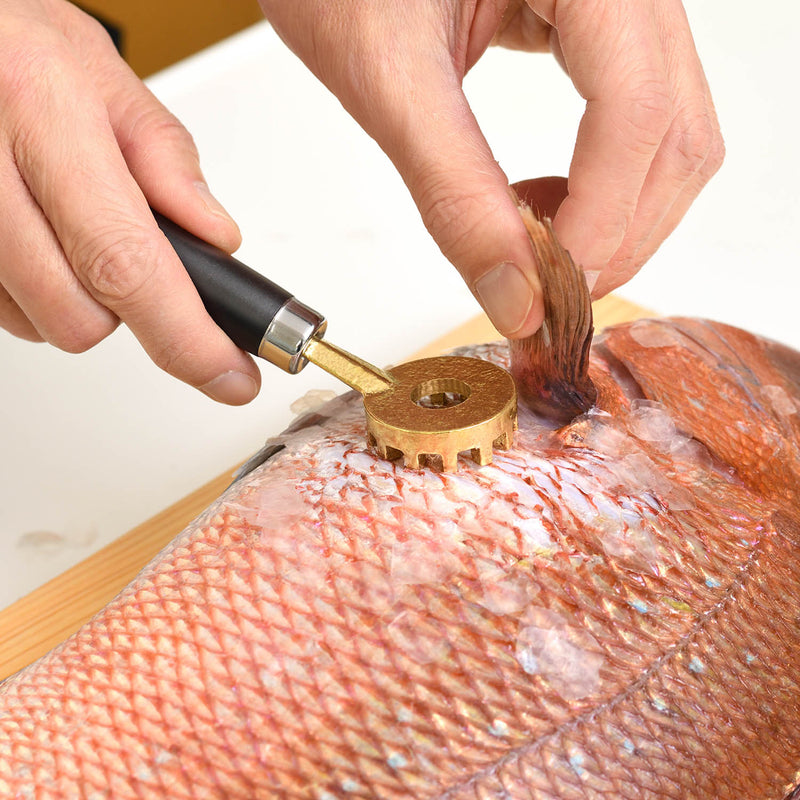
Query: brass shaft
{"type": "Point", "coordinates": [352, 370]}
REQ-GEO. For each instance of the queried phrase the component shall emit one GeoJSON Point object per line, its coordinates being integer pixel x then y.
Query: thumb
{"type": "Point", "coordinates": [466, 204]}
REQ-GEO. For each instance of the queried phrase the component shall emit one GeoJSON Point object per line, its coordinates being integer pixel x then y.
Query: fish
{"type": "Point", "coordinates": [610, 609]}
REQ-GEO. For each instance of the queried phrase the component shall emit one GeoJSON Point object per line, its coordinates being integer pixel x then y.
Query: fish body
{"type": "Point", "coordinates": [609, 610]}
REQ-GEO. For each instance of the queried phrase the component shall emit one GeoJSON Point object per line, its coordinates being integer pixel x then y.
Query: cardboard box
{"type": "Point", "coordinates": [152, 34]}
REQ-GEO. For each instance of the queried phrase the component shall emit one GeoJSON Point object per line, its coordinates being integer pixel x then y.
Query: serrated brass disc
{"type": "Point", "coordinates": [472, 407]}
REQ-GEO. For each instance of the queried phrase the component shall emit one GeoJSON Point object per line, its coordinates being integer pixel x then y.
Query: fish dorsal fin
{"type": "Point", "coordinates": [551, 367]}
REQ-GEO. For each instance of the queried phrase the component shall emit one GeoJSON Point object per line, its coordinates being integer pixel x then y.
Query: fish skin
{"type": "Point", "coordinates": [609, 610]}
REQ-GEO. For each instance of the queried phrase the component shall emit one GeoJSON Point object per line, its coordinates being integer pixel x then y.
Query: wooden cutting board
{"type": "Point", "coordinates": [39, 621]}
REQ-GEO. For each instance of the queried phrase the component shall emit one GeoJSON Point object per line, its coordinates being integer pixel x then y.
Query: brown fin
{"type": "Point", "coordinates": [551, 367]}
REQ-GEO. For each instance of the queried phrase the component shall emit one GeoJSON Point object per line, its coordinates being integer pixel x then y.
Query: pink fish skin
{"type": "Point", "coordinates": [609, 610]}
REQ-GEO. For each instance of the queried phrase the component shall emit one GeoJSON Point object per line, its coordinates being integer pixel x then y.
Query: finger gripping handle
{"type": "Point", "coordinates": [258, 315]}
{"type": "Point", "coordinates": [240, 300]}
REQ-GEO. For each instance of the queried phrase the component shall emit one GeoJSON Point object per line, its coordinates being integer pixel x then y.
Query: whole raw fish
{"type": "Point", "coordinates": [609, 610]}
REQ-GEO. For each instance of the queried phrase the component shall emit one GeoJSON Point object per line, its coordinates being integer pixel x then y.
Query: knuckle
{"type": "Point", "coordinates": [116, 268]}
{"type": "Point", "coordinates": [691, 144]}
{"type": "Point", "coordinates": [175, 359]}
{"type": "Point", "coordinates": [609, 229]}
{"type": "Point", "coordinates": [157, 125]}
{"type": "Point", "coordinates": [41, 81]}
{"type": "Point", "coordinates": [163, 125]}
{"type": "Point", "coordinates": [696, 148]}
{"type": "Point", "coordinates": [80, 335]}
{"type": "Point", "coordinates": [716, 155]}
{"type": "Point", "coordinates": [90, 32]}
{"type": "Point", "coordinates": [29, 72]}
{"type": "Point", "coordinates": [648, 112]}
{"type": "Point", "coordinates": [455, 219]}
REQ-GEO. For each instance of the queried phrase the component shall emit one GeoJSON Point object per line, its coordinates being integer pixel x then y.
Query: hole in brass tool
{"type": "Point", "coordinates": [503, 441]}
{"type": "Point", "coordinates": [432, 461]}
{"type": "Point", "coordinates": [441, 393]}
{"type": "Point", "coordinates": [392, 453]}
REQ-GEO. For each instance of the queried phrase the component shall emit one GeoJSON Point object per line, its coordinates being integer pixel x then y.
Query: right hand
{"type": "Point", "coordinates": [84, 147]}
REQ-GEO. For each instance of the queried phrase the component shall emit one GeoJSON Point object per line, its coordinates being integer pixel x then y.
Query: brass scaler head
{"type": "Point", "coordinates": [428, 411]}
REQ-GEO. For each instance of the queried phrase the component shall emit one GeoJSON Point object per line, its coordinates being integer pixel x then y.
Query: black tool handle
{"type": "Point", "coordinates": [257, 314]}
{"type": "Point", "coordinates": [240, 300]}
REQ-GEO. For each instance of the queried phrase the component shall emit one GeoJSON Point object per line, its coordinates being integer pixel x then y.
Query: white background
{"type": "Point", "coordinates": [91, 445]}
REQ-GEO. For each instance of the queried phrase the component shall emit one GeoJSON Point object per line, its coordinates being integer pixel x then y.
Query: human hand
{"type": "Point", "coordinates": [84, 147]}
{"type": "Point", "coordinates": [647, 143]}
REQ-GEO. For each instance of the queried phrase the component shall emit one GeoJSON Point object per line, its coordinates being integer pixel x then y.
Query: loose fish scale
{"type": "Point", "coordinates": [336, 627]}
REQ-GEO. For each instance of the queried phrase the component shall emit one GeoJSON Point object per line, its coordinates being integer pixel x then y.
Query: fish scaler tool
{"type": "Point", "coordinates": [427, 411]}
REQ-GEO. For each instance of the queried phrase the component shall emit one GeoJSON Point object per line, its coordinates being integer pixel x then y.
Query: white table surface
{"type": "Point", "coordinates": [91, 445]}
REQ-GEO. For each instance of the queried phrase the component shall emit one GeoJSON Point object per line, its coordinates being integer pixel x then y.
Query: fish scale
{"type": "Point", "coordinates": [256, 657]}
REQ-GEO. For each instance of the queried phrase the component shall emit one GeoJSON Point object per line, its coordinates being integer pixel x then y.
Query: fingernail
{"type": "Point", "coordinates": [506, 296]}
{"type": "Point", "coordinates": [233, 388]}
{"type": "Point", "coordinates": [212, 204]}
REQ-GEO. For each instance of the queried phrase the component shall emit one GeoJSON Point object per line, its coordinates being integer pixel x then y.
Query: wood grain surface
{"type": "Point", "coordinates": [48, 615]}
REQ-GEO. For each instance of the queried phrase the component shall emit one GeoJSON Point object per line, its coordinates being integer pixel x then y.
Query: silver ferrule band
{"type": "Point", "coordinates": [288, 333]}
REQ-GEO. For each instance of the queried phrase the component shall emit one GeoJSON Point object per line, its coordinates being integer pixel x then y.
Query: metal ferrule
{"type": "Point", "coordinates": [288, 333]}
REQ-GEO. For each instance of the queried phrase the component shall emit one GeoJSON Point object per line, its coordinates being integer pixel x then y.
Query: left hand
{"type": "Point", "coordinates": [649, 140]}
{"type": "Point", "coordinates": [647, 143]}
